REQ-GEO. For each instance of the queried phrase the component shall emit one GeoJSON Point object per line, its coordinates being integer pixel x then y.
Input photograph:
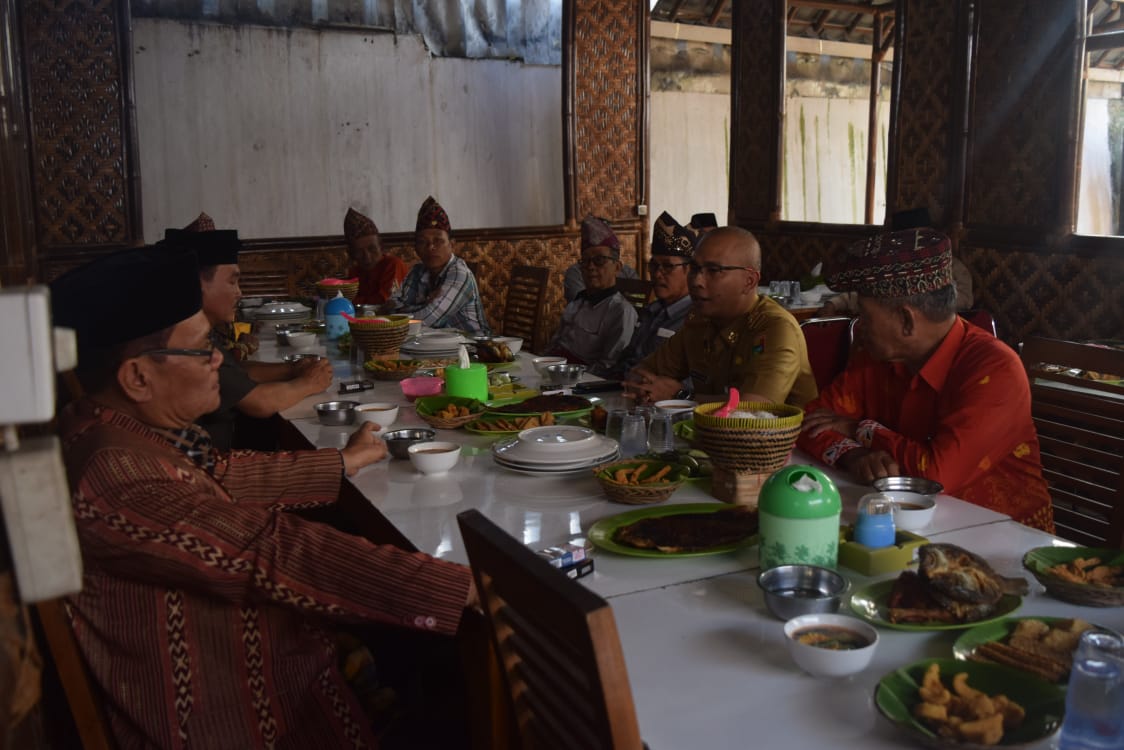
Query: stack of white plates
{"type": "Point", "coordinates": [281, 312]}
{"type": "Point", "coordinates": [432, 345]}
{"type": "Point", "coordinates": [559, 450]}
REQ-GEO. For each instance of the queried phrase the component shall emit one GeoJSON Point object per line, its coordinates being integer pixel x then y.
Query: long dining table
{"type": "Point", "coordinates": [707, 662]}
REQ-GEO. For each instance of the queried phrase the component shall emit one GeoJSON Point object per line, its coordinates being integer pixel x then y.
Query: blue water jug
{"type": "Point", "coordinates": [333, 316]}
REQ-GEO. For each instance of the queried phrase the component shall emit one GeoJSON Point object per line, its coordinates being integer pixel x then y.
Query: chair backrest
{"type": "Point", "coordinates": [636, 291]}
{"type": "Point", "coordinates": [981, 318]}
{"type": "Point", "coordinates": [557, 644]}
{"type": "Point", "coordinates": [1080, 424]}
{"type": "Point", "coordinates": [83, 698]}
{"type": "Point", "coordinates": [523, 309]}
{"type": "Point", "coordinates": [829, 346]}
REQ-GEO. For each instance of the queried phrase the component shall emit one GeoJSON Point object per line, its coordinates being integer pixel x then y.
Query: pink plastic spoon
{"type": "Point", "coordinates": [731, 404]}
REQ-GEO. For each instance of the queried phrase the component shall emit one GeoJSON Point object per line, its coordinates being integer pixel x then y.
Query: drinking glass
{"type": "Point", "coordinates": [613, 423]}
{"type": "Point", "coordinates": [660, 437]}
{"type": "Point", "coordinates": [647, 412]}
{"type": "Point", "coordinates": [634, 435]}
{"type": "Point", "coordinates": [1094, 703]}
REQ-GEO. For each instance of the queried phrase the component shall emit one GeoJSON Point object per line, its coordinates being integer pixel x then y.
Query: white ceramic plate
{"type": "Point", "coordinates": [563, 466]}
{"type": "Point", "coordinates": [513, 450]}
{"type": "Point", "coordinates": [555, 440]}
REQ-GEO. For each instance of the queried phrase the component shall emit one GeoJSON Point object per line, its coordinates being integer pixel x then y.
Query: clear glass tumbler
{"type": "Point", "coordinates": [661, 439]}
{"type": "Point", "coordinates": [634, 435]}
{"type": "Point", "coordinates": [1094, 703]}
{"type": "Point", "coordinates": [613, 422]}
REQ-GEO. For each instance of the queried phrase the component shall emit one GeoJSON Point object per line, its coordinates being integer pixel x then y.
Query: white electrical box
{"type": "Point", "coordinates": [27, 371]}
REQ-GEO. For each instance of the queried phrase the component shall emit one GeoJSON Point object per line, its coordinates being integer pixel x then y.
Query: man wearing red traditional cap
{"type": "Point", "coordinates": [380, 274]}
{"type": "Point", "coordinates": [440, 289]}
{"type": "Point", "coordinates": [928, 394]}
{"type": "Point", "coordinates": [597, 324]}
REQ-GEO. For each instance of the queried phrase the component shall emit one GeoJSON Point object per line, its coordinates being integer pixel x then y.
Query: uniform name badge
{"type": "Point", "coordinates": [665, 333]}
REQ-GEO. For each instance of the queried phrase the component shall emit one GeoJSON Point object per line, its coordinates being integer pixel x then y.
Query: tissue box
{"type": "Point", "coordinates": [870, 561]}
{"type": "Point", "coordinates": [737, 487]}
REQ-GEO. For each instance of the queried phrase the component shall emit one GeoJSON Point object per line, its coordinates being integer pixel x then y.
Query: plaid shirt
{"type": "Point", "coordinates": [455, 299]}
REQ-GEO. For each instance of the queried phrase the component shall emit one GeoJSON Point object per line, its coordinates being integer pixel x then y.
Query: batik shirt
{"type": "Point", "coordinates": [762, 352]}
{"type": "Point", "coordinates": [658, 322]}
{"type": "Point", "coordinates": [204, 598]}
{"type": "Point", "coordinates": [594, 330]}
{"type": "Point", "coordinates": [452, 300]}
{"type": "Point", "coordinates": [963, 420]}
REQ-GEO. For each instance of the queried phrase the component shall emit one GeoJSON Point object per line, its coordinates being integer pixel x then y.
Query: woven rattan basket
{"type": "Point", "coordinates": [347, 288]}
{"type": "Point", "coordinates": [427, 406]}
{"type": "Point", "coordinates": [756, 445]}
{"type": "Point", "coordinates": [1089, 595]}
{"type": "Point", "coordinates": [380, 337]}
{"type": "Point", "coordinates": [638, 494]}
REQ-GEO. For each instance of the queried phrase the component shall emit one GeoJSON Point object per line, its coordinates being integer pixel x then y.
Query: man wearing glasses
{"type": "Point", "coordinates": [207, 603]}
{"type": "Point", "coordinates": [733, 336]}
{"type": "Point", "coordinates": [672, 248]}
{"type": "Point", "coordinates": [255, 389]}
{"type": "Point", "coordinates": [597, 324]}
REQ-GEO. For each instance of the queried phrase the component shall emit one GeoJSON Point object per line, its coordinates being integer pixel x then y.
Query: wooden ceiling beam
{"type": "Point", "coordinates": [866, 8]}
{"type": "Point", "coordinates": [854, 23]}
{"type": "Point", "coordinates": [717, 12]}
{"type": "Point", "coordinates": [673, 14]}
{"type": "Point", "coordinates": [821, 19]}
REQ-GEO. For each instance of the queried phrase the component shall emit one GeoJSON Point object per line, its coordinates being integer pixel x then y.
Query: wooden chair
{"type": "Point", "coordinates": [82, 696]}
{"type": "Point", "coordinates": [557, 645]}
{"type": "Point", "coordinates": [829, 346]}
{"type": "Point", "coordinates": [636, 291]}
{"type": "Point", "coordinates": [525, 305]}
{"type": "Point", "coordinates": [1080, 425]}
{"type": "Point", "coordinates": [981, 318]}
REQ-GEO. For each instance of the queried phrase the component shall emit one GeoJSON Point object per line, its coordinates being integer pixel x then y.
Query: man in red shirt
{"type": "Point", "coordinates": [927, 394]}
{"type": "Point", "coordinates": [380, 274]}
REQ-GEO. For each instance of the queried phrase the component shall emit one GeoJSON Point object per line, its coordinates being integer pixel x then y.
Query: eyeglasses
{"type": "Point", "coordinates": [208, 353]}
{"type": "Point", "coordinates": [596, 260]}
{"type": "Point", "coordinates": [665, 266]}
{"type": "Point", "coordinates": [713, 270]}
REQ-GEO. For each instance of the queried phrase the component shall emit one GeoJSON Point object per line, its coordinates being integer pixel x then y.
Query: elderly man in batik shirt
{"type": "Point", "coordinates": [597, 325]}
{"type": "Point", "coordinates": [672, 248]}
{"type": "Point", "coordinates": [207, 602]}
{"type": "Point", "coordinates": [733, 337]}
{"type": "Point", "coordinates": [440, 289]}
{"type": "Point", "coordinates": [380, 274]}
{"type": "Point", "coordinates": [928, 394]}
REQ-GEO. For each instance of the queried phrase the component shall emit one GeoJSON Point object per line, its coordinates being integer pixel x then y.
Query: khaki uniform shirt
{"type": "Point", "coordinates": [761, 352]}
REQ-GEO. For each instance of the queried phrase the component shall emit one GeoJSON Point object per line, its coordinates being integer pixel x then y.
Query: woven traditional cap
{"type": "Point", "coordinates": [127, 295]}
{"type": "Point", "coordinates": [596, 232]}
{"type": "Point", "coordinates": [356, 225]}
{"type": "Point", "coordinates": [669, 238]}
{"type": "Point", "coordinates": [896, 264]}
{"type": "Point", "coordinates": [202, 223]}
{"type": "Point", "coordinates": [215, 248]}
{"type": "Point", "coordinates": [432, 216]}
{"type": "Point", "coordinates": [704, 221]}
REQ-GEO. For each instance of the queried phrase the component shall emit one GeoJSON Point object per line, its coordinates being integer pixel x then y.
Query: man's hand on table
{"type": "Point", "coordinates": [825, 419]}
{"type": "Point", "coordinates": [316, 374]}
{"type": "Point", "coordinates": [646, 387]}
{"type": "Point", "coordinates": [866, 465]}
{"type": "Point", "coordinates": [363, 448]}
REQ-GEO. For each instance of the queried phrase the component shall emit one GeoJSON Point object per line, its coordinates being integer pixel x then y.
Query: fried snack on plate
{"type": "Point", "coordinates": [965, 714]}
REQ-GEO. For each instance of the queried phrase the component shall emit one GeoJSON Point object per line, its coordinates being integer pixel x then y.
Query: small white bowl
{"type": "Point", "coordinates": [414, 328]}
{"type": "Point", "coordinates": [912, 510]}
{"type": "Point", "coordinates": [827, 662]}
{"type": "Point", "coordinates": [434, 458]}
{"type": "Point", "coordinates": [382, 414]}
{"type": "Point", "coordinates": [541, 363]}
{"type": "Point", "coordinates": [302, 340]}
{"type": "Point", "coordinates": [678, 408]}
{"type": "Point", "coordinates": [514, 343]}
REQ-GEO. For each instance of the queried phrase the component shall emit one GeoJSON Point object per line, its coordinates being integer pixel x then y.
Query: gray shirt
{"type": "Point", "coordinates": [595, 329]}
{"type": "Point", "coordinates": [658, 322]}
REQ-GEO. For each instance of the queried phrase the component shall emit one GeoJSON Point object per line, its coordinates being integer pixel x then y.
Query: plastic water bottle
{"type": "Point", "coordinates": [1094, 703]}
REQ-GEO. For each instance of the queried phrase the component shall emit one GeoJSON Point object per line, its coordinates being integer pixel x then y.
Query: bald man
{"type": "Point", "coordinates": [733, 336]}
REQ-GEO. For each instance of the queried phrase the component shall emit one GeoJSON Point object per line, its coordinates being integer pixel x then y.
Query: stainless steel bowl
{"type": "Point", "coordinates": [793, 590]}
{"type": "Point", "coordinates": [564, 374]}
{"type": "Point", "coordinates": [920, 485]}
{"type": "Point", "coordinates": [336, 412]}
{"type": "Point", "coordinates": [398, 442]}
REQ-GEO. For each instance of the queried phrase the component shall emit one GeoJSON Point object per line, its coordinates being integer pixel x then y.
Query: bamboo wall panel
{"type": "Point", "coordinates": [77, 91]}
{"type": "Point", "coordinates": [754, 128]}
{"type": "Point", "coordinates": [1018, 152]}
{"type": "Point", "coordinates": [926, 109]}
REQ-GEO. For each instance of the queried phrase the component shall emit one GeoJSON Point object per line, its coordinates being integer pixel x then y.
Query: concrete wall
{"type": "Point", "coordinates": [690, 136]}
{"type": "Point", "coordinates": [276, 132]}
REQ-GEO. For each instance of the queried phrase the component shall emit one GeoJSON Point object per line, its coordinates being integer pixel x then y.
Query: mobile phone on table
{"type": "Point", "coordinates": [597, 386]}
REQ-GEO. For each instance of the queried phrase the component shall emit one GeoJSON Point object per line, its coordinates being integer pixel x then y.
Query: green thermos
{"type": "Point", "coordinates": [798, 510]}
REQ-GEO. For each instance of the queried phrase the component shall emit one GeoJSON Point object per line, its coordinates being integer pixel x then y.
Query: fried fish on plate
{"type": "Point", "coordinates": [957, 576]}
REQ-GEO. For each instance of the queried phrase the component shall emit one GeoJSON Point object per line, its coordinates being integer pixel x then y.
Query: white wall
{"type": "Point", "coordinates": [1094, 204]}
{"type": "Point", "coordinates": [276, 132]}
{"type": "Point", "coordinates": [689, 158]}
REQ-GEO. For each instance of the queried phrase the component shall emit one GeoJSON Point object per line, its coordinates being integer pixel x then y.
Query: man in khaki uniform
{"type": "Point", "coordinates": [734, 337]}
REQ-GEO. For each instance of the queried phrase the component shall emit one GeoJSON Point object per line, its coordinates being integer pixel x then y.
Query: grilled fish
{"type": "Point", "coordinates": [961, 580]}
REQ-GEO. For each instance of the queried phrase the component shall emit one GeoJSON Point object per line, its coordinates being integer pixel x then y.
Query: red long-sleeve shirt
{"type": "Point", "coordinates": [963, 420]}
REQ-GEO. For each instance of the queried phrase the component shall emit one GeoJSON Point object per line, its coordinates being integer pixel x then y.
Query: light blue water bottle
{"type": "Point", "coordinates": [1094, 702]}
{"type": "Point", "coordinates": [333, 314]}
